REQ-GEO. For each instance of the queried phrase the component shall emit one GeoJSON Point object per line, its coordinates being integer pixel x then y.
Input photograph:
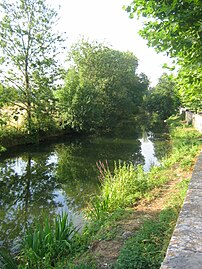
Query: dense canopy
{"type": "Point", "coordinates": [175, 27]}
{"type": "Point", "coordinates": [101, 87]}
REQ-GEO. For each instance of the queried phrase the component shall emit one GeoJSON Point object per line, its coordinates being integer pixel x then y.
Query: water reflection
{"type": "Point", "coordinates": [27, 185]}
{"type": "Point", "coordinates": [58, 177]}
{"type": "Point", "coordinates": [147, 149]}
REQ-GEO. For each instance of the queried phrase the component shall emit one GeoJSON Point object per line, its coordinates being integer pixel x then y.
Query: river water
{"type": "Point", "coordinates": [49, 178]}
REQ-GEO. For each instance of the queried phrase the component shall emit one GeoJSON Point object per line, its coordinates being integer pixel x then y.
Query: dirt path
{"type": "Point", "coordinates": [105, 251]}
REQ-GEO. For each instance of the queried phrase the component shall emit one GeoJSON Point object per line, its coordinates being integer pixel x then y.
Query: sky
{"type": "Point", "coordinates": [106, 21]}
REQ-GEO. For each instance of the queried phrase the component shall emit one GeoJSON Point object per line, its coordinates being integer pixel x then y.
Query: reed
{"type": "Point", "coordinates": [46, 243]}
{"type": "Point", "coordinates": [123, 188]}
{"type": "Point", "coordinates": [6, 260]}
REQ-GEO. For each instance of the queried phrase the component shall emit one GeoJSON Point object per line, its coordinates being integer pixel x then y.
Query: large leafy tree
{"type": "Point", "coordinates": [29, 65]}
{"type": "Point", "coordinates": [175, 27]}
{"type": "Point", "coordinates": [101, 86]}
{"type": "Point", "coordinates": [162, 101]}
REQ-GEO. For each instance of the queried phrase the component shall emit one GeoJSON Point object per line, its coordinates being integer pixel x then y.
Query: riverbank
{"type": "Point", "coordinates": [133, 207]}
{"type": "Point", "coordinates": [11, 138]}
{"type": "Point", "coordinates": [138, 236]}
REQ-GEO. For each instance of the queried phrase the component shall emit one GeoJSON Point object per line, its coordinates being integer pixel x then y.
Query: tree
{"type": "Point", "coordinates": [163, 100]}
{"type": "Point", "coordinates": [29, 65]}
{"type": "Point", "coordinates": [175, 27]}
{"type": "Point", "coordinates": [190, 87]}
{"type": "Point", "coordinates": [101, 87]}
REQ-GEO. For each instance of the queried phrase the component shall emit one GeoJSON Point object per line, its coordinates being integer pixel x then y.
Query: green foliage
{"type": "Point", "coordinates": [83, 266]}
{"type": "Point", "coordinates": [44, 246]}
{"type": "Point", "coordinates": [98, 207]}
{"type": "Point", "coordinates": [2, 149]}
{"type": "Point", "coordinates": [183, 137]}
{"type": "Point", "coordinates": [174, 121]}
{"type": "Point", "coordinates": [29, 66]}
{"type": "Point", "coordinates": [163, 100]}
{"type": "Point", "coordinates": [190, 87]}
{"type": "Point", "coordinates": [10, 136]}
{"type": "Point", "coordinates": [174, 27]}
{"type": "Point", "coordinates": [6, 95]}
{"type": "Point", "coordinates": [46, 243]}
{"type": "Point", "coordinates": [6, 260]}
{"type": "Point", "coordinates": [185, 146]}
{"type": "Point", "coordinates": [101, 87]}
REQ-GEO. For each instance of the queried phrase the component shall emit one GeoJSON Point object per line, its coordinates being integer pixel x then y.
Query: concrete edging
{"type": "Point", "coordinates": [185, 248]}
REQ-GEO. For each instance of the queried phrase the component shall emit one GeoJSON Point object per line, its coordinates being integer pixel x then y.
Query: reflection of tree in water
{"type": "Point", "coordinates": [77, 164]}
{"type": "Point", "coordinates": [26, 191]}
{"type": "Point", "coordinates": [161, 148]}
{"type": "Point", "coordinates": [34, 183]}
{"type": "Point", "coordinates": [159, 136]}
{"type": "Point", "coordinates": [79, 175]}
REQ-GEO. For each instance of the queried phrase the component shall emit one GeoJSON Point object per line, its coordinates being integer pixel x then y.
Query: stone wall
{"type": "Point", "coordinates": [197, 122]}
{"type": "Point", "coordinates": [192, 118]}
{"type": "Point", "coordinates": [185, 248]}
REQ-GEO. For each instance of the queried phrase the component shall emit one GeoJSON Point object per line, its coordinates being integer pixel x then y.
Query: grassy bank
{"type": "Point", "coordinates": [127, 185]}
{"type": "Point", "coordinates": [127, 196]}
{"type": "Point", "coordinates": [147, 248]}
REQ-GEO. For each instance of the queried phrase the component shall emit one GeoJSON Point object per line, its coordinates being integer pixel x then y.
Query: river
{"type": "Point", "coordinates": [46, 179]}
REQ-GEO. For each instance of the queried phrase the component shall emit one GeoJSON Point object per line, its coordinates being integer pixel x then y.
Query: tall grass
{"type": "Point", "coordinates": [46, 243]}
{"type": "Point", "coordinates": [186, 143]}
{"type": "Point", "coordinates": [6, 260]}
{"type": "Point", "coordinates": [125, 187]}
{"type": "Point", "coordinates": [127, 184]}
{"type": "Point", "coordinates": [44, 246]}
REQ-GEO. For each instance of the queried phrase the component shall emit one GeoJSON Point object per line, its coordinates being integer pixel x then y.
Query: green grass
{"type": "Point", "coordinates": [7, 261]}
{"type": "Point", "coordinates": [125, 187]}
{"type": "Point", "coordinates": [146, 249]}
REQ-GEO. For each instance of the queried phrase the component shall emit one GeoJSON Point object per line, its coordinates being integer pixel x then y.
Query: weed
{"type": "Point", "coordinates": [98, 207]}
{"type": "Point", "coordinates": [45, 244]}
{"type": "Point", "coordinates": [124, 188]}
